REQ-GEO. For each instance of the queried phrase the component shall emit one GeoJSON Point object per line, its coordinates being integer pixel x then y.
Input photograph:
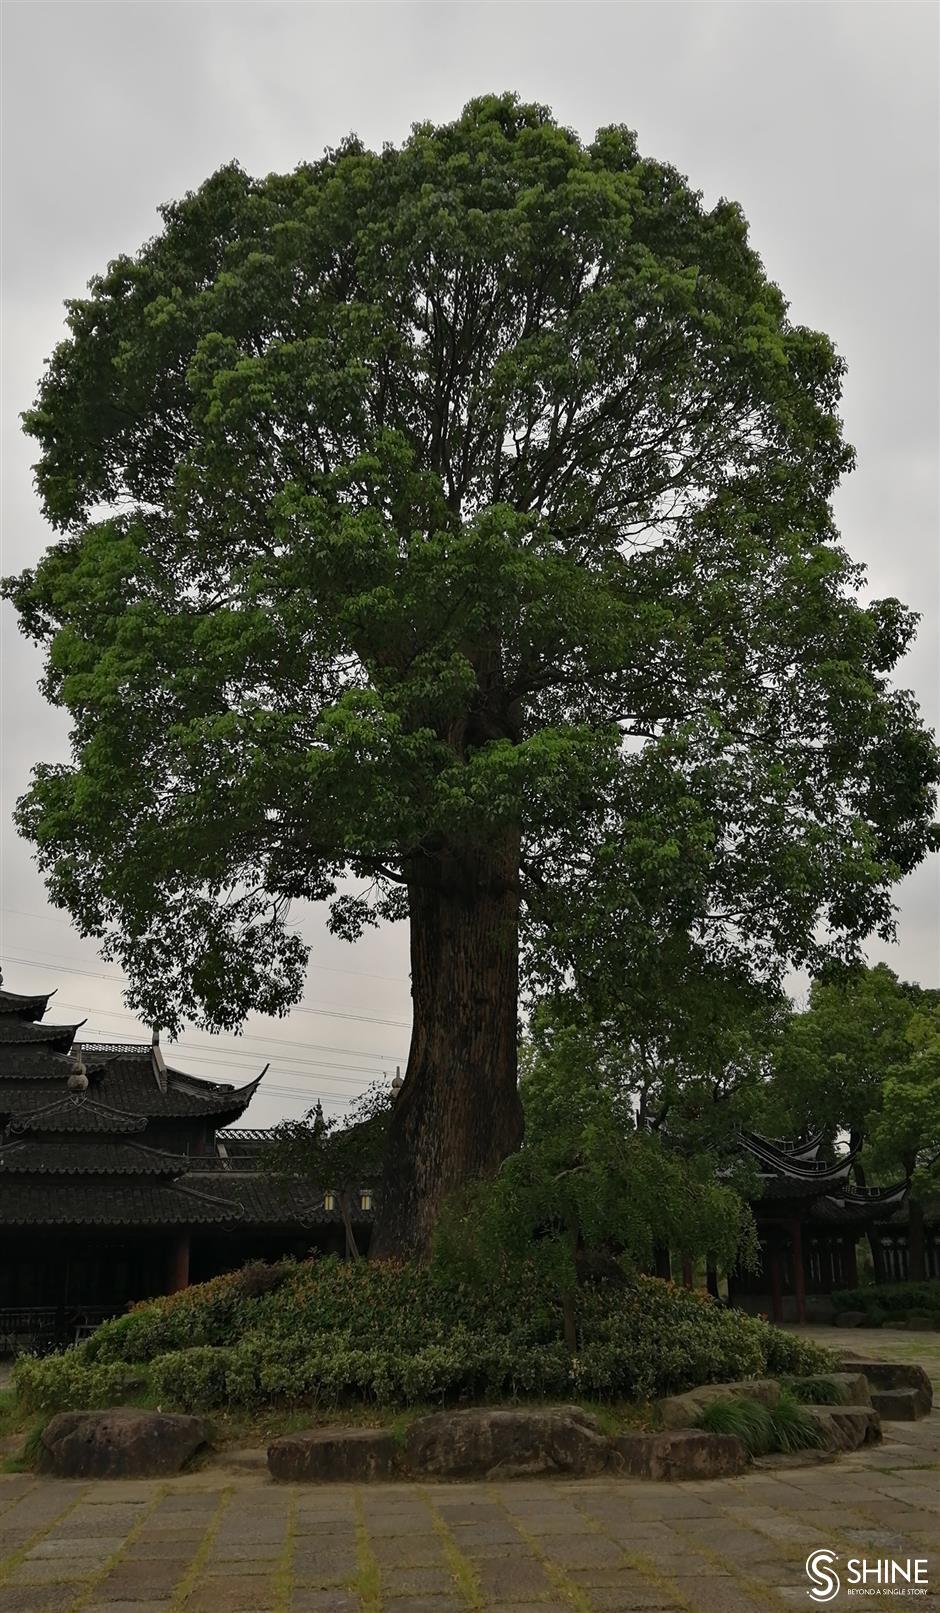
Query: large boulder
{"type": "Point", "coordinates": [898, 1405]}
{"type": "Point", "coordinates": [884, 1375]}
{"type": "Point", "coordinates": [683, 1411]}
{"type": "Point", "coordinates": [124, 1443]}
{"type": "Point", "coordinates": [345, 1455]}
{"type": "Point", "coordinates": [846, 1428]}
{"type": "Point", "coordinates": [507, 1442]}
{"type": "Point", "coordinates": [922, 1322]}
{"type": "Point", "coordinates": [681, 1453]}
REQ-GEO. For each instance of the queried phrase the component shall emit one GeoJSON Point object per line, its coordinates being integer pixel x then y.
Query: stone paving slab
{"type": "Point", "coordinates": [214, 1542]}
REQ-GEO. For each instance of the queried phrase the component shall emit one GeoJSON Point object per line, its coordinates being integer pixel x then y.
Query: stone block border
{"type": "Point", "coordinates": [498, 1442]}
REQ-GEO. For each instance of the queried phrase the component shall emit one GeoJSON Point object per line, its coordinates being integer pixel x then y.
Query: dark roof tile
{"type": "Point", "coordinates": [128, 1083]}
{"type": "Point", "coordinates": [74, 1112]}
{"type": "Point", "coordinates": [14, 1031]}
{"type": "Point", "coordinates": [129, 1086]}
{"type": "Point", "coordinates": [265, 1201]}
{"type": "Point", "coordinates": [33, 1062]}
{"type": "Point", "coordinates": [27, 1156]}
{"type": "Point", "coordinates": [89, 1203]}
{"type": "Point", "coordinates": [24, 1007]}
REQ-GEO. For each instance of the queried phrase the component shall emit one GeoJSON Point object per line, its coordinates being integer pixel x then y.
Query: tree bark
{"type": "Point", "coordinates": [352, 1247]}
{"type": "Point", "coordinates": [458, 1113]}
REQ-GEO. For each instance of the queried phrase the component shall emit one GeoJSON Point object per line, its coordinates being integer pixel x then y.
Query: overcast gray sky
{"type": "Point", "coordinates": [820, 119]}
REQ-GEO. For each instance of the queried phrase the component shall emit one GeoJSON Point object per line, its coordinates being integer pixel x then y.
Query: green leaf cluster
{"type": "Point", "coordinates": [864, 1059]}
{"type": "Point", "coordinates": [588, 1178]}
{"type": "Point", "coordinates": [476, 485]}
{"type": "Point", "coordinates": [339, 1332]}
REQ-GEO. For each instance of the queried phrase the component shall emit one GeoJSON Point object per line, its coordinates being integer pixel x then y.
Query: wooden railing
{"type": "Point", "coordinates": [39, 1328]}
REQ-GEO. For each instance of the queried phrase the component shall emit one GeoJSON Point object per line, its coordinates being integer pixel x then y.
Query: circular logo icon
{"type": "Point", "coordinates": [819, 1568]}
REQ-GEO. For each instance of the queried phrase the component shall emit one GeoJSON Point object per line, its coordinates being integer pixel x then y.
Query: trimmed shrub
{"type": "Point", "coordinates": [785, 1355]}
{"type": "Point", "coordinates": [884, 1301]}
{"type": "Point", "coordinates": [67, 1381]}
{"type": "Point", "coordinates": [334, 1332]}
{"type": "Point", "coordinates": [191, 1380]}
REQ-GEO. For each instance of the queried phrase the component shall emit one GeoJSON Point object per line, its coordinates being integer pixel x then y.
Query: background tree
{"type": "Point", "coordinates": [456, 519]}
{"type": "Point", "coordinates": [591, 1193]}
{"type": "Point", "coordinates": [339, 1153]}
{"type": "Point", "coordinates": [692, 1042]}
{"type": "Point", "coordinates": [905, 1131]}
{"type": "Point", "coordinates": [863, 1062]}
{"type": "Point", "coordinates": [832, 1059]}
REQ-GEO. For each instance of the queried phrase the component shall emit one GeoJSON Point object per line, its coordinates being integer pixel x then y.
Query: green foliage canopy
{"type": "Point", "coordinates": [415, 498]}
{"type": "Point", "coordinates": [588, 1178]}
{"type": "Point", "coordinates": [905, 1126]}
{"type": "Point", "coordinates": [864, 1058]}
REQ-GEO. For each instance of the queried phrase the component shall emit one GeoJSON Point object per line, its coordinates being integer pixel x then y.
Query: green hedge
{"type": "Point", "coordinates": [890, 1299]}
{"type": "Point", "coordinates": [335, 1332]}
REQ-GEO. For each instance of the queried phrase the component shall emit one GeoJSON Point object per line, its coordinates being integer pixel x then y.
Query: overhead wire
{"type": "Point", "coordinates": [117, 980]}
{"type": "Point", "coordinates": [326, 968]}
{"type": "Point", "coordinates": [267, 1042]}
{"type": "Point", "coordinates": [324, 1073]}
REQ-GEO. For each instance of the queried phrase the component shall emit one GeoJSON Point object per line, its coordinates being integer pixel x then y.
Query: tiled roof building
{"type": "Point", "coordinates": [122, 1177]}
{"type": "Point", "coordinates": [809, 1217]}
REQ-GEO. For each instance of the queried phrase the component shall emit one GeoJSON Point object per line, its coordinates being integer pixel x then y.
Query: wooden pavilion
{"type": "Point", "coordinates": [122, 1177]}
{"type": "Point", "coordinates": [809, 1217]}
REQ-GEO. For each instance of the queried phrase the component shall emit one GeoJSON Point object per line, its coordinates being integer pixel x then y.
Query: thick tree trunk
{"type": "Point", "coordinates": [458, 1113]}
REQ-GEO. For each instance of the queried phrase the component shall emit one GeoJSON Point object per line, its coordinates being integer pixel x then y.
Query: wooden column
{"type": "Point", "coordinates": [851, 1261]}
{"type": "Point", "coordinates": [799, 1277]}
{"type": "Point", "coordinates": [776, 1283]}
{"type": "Point", "coordinates": [687, 1277]}
{"type": "Point", "coordinates": [178, 1263]}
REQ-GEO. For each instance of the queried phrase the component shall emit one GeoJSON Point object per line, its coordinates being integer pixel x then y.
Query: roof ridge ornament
{"type": "Point", "coordinates": [77, 1081]}
{"type": "Point", "coordinates": [159, 1063]}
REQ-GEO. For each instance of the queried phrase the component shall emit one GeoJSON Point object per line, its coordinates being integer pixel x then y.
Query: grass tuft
{"type": "Point", "coordinates": [816, 1390]}
{"type": "Point", "coordinates": [787, 1426]}
{"type": "Point", "coordinates": [747, 1419]}
{"type": "Point", "coordinates": [794, 1429]}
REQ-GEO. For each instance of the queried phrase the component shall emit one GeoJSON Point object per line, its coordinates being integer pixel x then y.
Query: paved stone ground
{"type": "Point", "coordinates": [217, 1542]}
{"type": "Point", "coordinates": [896, 1344]}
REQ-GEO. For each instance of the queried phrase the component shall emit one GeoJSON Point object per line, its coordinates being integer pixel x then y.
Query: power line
{"type": "Point", "coordinates": [117, 980]}
{"type": "Point", "coordinates": [318, 1076]}
{"type": "Point", "coordinates": [267, 1042]}
{"type": "Point", "coordinates": [326, 968]}
{"type": "Point", "coordinates": [307, 1095]}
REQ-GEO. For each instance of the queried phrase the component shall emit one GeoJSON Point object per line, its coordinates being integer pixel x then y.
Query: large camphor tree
{"type": "Point", "coordinates": [447, 531]}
